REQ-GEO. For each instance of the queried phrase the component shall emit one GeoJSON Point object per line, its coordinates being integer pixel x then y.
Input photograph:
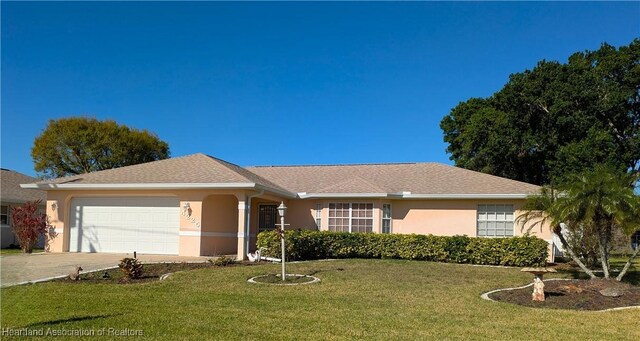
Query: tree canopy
{"type": "Point", "coordinates": [554, 120]}
{"type": "Point", "coordinates": [77, 145]}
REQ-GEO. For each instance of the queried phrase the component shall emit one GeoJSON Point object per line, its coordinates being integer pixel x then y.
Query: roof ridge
{"type": "Point", "coordinates": [342, 164]}
{"type": "Point", "coordinates": [229, 166]}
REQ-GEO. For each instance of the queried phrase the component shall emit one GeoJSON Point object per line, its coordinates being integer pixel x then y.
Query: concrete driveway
{"type": "Point", "coordinates": [21, 268]}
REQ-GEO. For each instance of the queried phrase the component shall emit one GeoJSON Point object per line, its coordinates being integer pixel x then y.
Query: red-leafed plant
{"type": "Point", "coordinates": [28, 224]}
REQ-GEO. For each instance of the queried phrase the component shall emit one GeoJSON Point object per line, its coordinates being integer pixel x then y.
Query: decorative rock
{"type": "Point", "coordinates": [538, 289]}
{"type": "Point", "coordinates": [165, 276]}
{"type": "Point", "coordinates": [611, 292]}
{"type": "Point", "coordinates": [538, 284]}
{"type": "Point", "coordinates": [571, 289]}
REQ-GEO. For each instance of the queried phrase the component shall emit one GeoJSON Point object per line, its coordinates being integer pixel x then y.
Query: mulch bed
{"type": "Point", "coordinates": [150, 273]}
{"type": "Point", "coordinates": [574, 294]}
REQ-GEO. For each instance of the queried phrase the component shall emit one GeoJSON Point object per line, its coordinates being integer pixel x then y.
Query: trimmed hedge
{"type": "Point", "coordinates": [307, 245]}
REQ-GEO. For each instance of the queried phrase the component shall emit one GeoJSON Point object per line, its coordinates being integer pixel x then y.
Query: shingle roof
{"type": "Point", "coordinates": [190, 169]}
{"type": "Point", "coordinates": [417, 178]}
{"type": "Point", "coordinates": [404, 179]}
{"type": "Point", "coordinates": [10, 190]}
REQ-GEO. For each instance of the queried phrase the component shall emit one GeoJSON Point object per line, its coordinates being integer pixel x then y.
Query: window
{"type": "Point", "coordinates": [318, 216]}
{"type": "Point", "coordinates": [4, 215]}
{"type": "Point", "coordinates": [267, 217]}
{"type": "Point", "coordinates": [386, 218]}
{"type": "Point", "coordinates": [354, 217]}
{"type": "Point", "coordinates": [495, 220]}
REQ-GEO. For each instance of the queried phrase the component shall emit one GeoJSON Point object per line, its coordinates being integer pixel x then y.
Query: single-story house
{"type": "Point", "coordinates": [199, 205]}
{"type": "Point", "coordinates": [11, 194]}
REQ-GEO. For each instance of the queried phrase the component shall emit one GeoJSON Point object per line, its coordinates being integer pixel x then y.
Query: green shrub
{"type": "Point", "coordinates": [131, 268]}
{"type": "Point", "coordinates": [222, 261]}
{"type": "Point", "coordinates": [308, 244]}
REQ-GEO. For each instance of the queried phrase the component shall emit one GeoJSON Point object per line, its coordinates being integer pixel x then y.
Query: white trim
{"type": "Point", "coordinates": [373, 210]}
{"type": "Point", "coordinates": [390, 219]}
{"type": "Point", "coordinates": [464, 196]}
{"type": "Point", "coordinates": [513, 234]}
{"type": "Point", "coordinates": [141, 185]}
{"type": "Point", "coordinates": [252, 185]}
{"type": "Point", "coordinates": [210, 234]}
{"type": "Point", "coordinates": [318, 216]}
{"type": "Point", "coordinates": [223, 185]}
{"type": "Point", "coordinates": [344, 195]}
{"type": "Point", "coordinates": [408, 195]}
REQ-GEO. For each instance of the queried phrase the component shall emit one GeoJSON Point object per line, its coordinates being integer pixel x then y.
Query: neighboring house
{"type": "Point", "coordinates": [11, 194]}
{"type": "Point", "coordinates": [200, 205]}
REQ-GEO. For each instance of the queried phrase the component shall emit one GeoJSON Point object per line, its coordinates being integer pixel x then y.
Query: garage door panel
{"type": "Point", "coordinates": [145, 225]}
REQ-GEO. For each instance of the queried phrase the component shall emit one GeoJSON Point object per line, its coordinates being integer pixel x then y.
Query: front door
{"type": "Point", "coordinates": [267, 217]}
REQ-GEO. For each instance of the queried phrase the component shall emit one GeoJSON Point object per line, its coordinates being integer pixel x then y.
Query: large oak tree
{"type": "Point", "coordinates": [77, 145]}
{"type": "Point", "coordinates": [554, 120]}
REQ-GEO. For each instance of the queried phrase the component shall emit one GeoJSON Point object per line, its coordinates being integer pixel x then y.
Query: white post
{"type": "Point", "coordinates": [282, 245]}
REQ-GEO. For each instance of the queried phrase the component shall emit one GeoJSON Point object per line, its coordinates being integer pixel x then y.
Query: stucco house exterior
{"type": "Point", "coordinates": [198, 205]}
{"type": "Point", "coordinates": [11, 194]}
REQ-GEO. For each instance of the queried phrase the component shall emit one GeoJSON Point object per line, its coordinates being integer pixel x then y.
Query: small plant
{"type": "Point", "coordinates": [131, 268]}
{"type": "Point", "coordinates": [29, 224]}
{"type": "Point", "coordinates": [222, 261]}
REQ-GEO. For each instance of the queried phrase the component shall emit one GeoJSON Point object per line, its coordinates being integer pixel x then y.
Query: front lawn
{"type": "Point", "coordinates": [356, 299]}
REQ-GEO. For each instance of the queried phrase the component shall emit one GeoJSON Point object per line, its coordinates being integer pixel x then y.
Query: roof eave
{"type": "Point", "coordinates": [146, 186]}
{"type": "Point", "coordinates": [342, 195]}
{"type": "Point", "coordinates": [467, 196]}
{"type": "Point", "coordinates": [407, 195]}
{"type": "Point", "coordinates": [132, 186]}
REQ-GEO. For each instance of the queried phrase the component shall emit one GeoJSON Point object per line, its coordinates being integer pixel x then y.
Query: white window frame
{"type": "Point", "coordinates": [389, 219]}
{"type": "Point", "coordinates": [6, 214]}
{"type": "Point", "coordinates": [351, 217]}
{"type": "Point", "coordinates": [319, 216]}
{"type": "Point", "coordinates": [489, 213]}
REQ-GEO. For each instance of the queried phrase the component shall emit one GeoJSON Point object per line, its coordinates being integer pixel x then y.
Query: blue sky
{"type": "Point", "coordinates": [280, 83]}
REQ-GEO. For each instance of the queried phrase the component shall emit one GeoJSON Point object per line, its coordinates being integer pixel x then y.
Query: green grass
{"type": "Point", "coordinates": [357, 299]}
{"type": "Point", "coordinates": [14, 251]}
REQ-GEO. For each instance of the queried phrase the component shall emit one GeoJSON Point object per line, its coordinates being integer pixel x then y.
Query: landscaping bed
{"type": "Point", "coordinates": [575, 294]}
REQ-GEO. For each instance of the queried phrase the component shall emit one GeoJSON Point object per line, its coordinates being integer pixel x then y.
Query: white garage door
{"type": "Point", "coordinates": [124, 224]}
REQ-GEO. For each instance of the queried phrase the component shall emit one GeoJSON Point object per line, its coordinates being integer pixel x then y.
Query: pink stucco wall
{"type": "Point", "coordinates": [221, 218]}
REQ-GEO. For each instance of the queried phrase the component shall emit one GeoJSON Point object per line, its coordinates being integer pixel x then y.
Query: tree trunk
{"type": "Point", "coordinates": [626, 266]}
{"type": "Point", "coordinates": [604, 258]}
{"type": "Point", "coordinates": [573, 256]}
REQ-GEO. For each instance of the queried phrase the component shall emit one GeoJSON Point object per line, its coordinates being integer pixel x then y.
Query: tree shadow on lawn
{"type": "Point", "coordinates": [70, 319]}
{"type": "Point", "coordinates": [314, 272]}
{"type": "Point", "coordinates": [632, 278]}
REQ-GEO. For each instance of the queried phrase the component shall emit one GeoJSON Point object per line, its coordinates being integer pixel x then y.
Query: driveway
{"type": "Point", "coordinates": [23, 268]}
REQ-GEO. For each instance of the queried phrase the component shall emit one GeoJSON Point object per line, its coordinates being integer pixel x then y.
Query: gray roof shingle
{"type": "Point", "coordinates": [10, 190]}
{"type": "Point", "coordinates": [417, 178]}
{"type": "Point", "coordinates": [190, 169]}
{"type": "Point", "coordinates": [393, 178]}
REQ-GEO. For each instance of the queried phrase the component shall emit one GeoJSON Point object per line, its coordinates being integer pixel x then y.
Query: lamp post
{"type": "Point", "coordinates": [282, 209]}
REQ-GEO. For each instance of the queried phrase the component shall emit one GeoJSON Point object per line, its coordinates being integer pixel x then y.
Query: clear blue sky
{"type": "Point", "coordinates": [280, 83]}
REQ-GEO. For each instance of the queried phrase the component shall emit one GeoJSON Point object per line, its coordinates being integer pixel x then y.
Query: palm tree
{"type": "Point", "coordinates": [601, 199]}
{"type": "Point", "coordinates": [542, 210]}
